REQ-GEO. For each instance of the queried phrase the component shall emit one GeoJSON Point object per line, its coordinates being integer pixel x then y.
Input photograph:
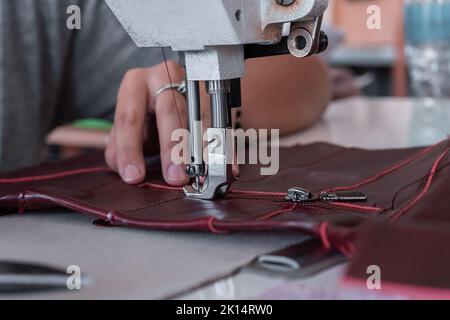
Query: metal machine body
{"type": "Point", "coordinates": [215, 37]}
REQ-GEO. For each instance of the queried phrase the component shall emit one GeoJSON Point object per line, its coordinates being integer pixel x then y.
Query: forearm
{"type": "Point", "coordinates": [284, 93]}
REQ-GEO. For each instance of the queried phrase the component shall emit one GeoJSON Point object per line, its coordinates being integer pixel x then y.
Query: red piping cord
{"type": "Point", "coordinates": [348, 249]}
{"type": "Point", "coordinates": [355, 206]}
{"type": "Point", "coordinates": [213, 229]}
{"type": "Point", "coordinates": [160, 186]}
{"type": "Point", "coordinates": [54, 175]}
{"type": "Point", "coordinates": [278, 212]}
{"type": "Point", "coordinates": [324, 235]}
{"type": "Point", "coordinates": [425, 189]}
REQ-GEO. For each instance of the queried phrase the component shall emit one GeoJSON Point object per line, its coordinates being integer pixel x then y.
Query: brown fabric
{"type": "Point", "coordinates": [413, 258]}
{"type": "Point", "coordinates": [402, 185]}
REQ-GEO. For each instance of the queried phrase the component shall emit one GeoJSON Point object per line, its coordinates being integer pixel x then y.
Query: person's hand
{"type": "Point", "coordinates": [136, 99]}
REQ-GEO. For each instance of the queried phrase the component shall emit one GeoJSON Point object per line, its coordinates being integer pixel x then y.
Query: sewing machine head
{"type": "Point", "coordinates": [215, 37]}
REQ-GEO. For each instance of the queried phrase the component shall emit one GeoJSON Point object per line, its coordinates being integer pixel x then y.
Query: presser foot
{"type": "Point", "coordinates": [219, 174]}
{"type": "Point", "coordinates": [207, 191]}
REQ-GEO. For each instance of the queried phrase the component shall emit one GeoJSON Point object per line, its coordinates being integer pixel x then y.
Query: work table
{"type": "Point", "coordinates": [139, 264]}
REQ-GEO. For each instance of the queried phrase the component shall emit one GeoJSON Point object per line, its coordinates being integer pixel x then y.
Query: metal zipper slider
{"type": "Point", "coordinates": [304, 195]}
{"type": "Point", "coordinates": [300, 195]}
{"type": "Point", "coordinates": [343, 196]}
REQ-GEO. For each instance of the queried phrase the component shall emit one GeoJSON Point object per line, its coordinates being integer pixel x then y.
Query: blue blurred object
{"type": "Point", "coordinates": [427, 40]}
{"type": "Point", "coordinates": [427, 21]}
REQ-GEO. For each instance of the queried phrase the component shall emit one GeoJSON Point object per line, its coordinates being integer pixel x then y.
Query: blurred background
{"type": "Point", "coordinates": [411, 45]}
{"type": "Point", "coordinates": [376, 53]}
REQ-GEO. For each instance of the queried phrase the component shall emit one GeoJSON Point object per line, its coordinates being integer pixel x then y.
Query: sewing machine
{"type": "Point", "coordinates": [214, 38]}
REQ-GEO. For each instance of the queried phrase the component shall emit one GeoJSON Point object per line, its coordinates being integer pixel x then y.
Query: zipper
{"type": "Point", "coordinates": [298, 195]}
{"type": "Point", "coordinates": [303, 195]}
{"type": "Point", "coordinates": [333, 201]}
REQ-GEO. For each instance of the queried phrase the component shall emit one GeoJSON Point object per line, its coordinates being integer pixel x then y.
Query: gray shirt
{"type": "Point", "coordinates": [51, 75]}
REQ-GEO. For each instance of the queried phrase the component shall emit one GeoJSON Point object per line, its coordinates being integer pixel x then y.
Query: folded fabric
{"type": "Point", "coordinates": [402, 186]}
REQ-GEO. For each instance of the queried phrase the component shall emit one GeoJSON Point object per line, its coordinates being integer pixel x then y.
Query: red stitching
{"type": "Point", "coordinates": [324, 235]}
{"type": "Point", "coordinates": [385, 171]}
{"type": "Point", "coordinates": [416, 199]}
{"type": "Point", "coordinates": [357, 207]}
{"type": "Point", "coordinates": [54, 175]}
{"type": "Point", "coordinates": [444, 167]}
{"type": "Point", "coordinates": [277, 212]}
{"type": "Point", "coordinates": [103, 185]}
{"type": "Point", "coordinates": [160, 186]}
{"type": "Point", "coordinates": [156, 204]}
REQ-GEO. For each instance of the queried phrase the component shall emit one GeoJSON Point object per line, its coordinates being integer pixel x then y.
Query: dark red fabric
{"type": "Point", "coordinates": [413, 258]}
{"type": "Point", "coordinates": [403, 186]}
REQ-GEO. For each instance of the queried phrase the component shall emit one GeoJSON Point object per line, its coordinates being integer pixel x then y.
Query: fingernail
{"type": "Point", "coordinates": [176, 173]}
{"type": "Point", "coordinates": [131, 173]}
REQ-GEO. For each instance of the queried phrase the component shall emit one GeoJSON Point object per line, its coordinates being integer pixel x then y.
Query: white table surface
{"type": "Point", "coordinates": [140, 264]}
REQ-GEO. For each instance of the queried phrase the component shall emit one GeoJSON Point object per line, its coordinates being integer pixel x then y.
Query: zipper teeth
{"type": "Point", "coordinates": [267, 196]}
{"type": "Point", "coordinates": [256, 196]}
{"type": "Point", "coordinates": [279, 197]}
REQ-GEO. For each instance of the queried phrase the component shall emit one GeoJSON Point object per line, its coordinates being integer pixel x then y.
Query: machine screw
{"type": "Point", "coordinates": [191, 171]}
{"type": "Point", "coordinates": [285, 3]}
{"type": "Point", "coordinates": [195, 170]}
{"type": "Point", "coordinates": [214, 142]}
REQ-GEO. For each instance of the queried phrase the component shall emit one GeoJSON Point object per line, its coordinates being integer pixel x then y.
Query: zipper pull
{"type": "Point", "coordinates": [304, 195]}
{"type": "Point", "coordinates": [343, 196]}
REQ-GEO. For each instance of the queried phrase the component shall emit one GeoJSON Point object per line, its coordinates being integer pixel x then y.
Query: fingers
{"type": "Point", "coordinates": [124, 153]}
{"type": "Point", "coordinates": [170, 116]}
{"type": "Point", "coordinates": [110, 153]}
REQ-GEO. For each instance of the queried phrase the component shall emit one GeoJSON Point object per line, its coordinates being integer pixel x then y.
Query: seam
{"type": "Point", "coordinates": [278, 212]}
{"type": "Point", "coordinates": [92, 188]}
{"type": "Point", "coordinates": [386, 171]}
{"type": "Point", "coordinates": [264, 193]}
{"type": "Point", "coordinates": [266, 216]}
{"type": "Point", "coordinates": [70, 202]}
{"type": "Point", "coordinates": [332, 155]}
{"type": "Point", "coordinates": [358, 207]}
{"type": "Point", "coordinates": [159, 187]}
{"type": "Point", "coordinates": [417, 181]}
{"type": "Point", "coordinates": [255, 200]}
{"type": "Point", "coordinates": [54, 175]}
{"type": "Point", "coordinates": [424, 191]}
{"type": "Point", "coordinates": [152, 205]}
